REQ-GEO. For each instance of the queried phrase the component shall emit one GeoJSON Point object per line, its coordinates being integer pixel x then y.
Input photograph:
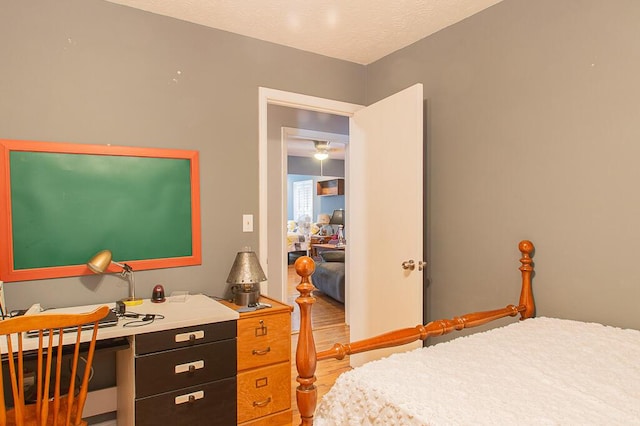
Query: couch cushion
{"type": "Point", "coordinates": [332, 255]}
{"type": "Point", "coordinates": [329, 279]}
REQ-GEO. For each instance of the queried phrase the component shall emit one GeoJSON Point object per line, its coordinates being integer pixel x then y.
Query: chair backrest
{"type": "Point", "coordinates": [51, 405]}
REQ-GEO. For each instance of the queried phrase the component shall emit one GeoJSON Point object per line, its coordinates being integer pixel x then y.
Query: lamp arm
{"type": "Point", "coordinates": [127, 272]}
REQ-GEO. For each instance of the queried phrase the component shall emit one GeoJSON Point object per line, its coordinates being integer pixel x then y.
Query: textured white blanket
{"type": "Point", "coordinates": [541, 371]}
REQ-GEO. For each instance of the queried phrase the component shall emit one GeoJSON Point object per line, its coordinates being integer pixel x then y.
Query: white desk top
{"type": "Point", "coordinates": [195, 310]}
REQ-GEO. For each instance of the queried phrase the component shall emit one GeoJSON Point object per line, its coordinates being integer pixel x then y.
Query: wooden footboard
{"type": "Point", "coordinates": [307, 356]}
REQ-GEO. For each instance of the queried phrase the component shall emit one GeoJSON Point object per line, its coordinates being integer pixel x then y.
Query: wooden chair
{"type": "Point", "coordinates": [51, 406]}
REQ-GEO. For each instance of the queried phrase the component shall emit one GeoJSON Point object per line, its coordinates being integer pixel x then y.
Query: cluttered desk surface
{"type": "Point", "coordinates": [182, 312]}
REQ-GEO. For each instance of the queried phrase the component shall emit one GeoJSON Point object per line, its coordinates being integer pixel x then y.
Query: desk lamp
{"type": "Point", "coordinates": [337, 218]}
{"type": "Point", "coordinates": [245, 276]}
{"type": "Point", "coordinates": [99, 264]}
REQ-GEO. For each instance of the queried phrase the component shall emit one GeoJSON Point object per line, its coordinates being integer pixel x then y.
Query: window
{"type": "Point", "coordinates": [303, 200]}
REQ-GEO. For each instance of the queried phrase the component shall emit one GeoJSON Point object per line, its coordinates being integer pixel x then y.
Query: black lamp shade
{"type": "Point", "coordinates": [337, 218]}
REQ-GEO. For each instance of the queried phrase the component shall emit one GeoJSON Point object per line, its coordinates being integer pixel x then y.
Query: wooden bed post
{"type": "Point", "coordinates": [526, 295]}
{"type": "Point", "coordinates": [306, 392]}
{"type": "Point", "coordinates": [307, 356]}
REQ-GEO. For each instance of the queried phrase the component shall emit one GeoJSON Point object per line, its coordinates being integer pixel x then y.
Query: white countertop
{"type": "Point", "coordinates": [196, 309]}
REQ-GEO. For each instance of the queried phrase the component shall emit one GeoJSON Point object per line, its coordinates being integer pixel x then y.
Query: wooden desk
{"type": "Point", "coordinates": [198, 315]}
{"type": "Point", "coordinates": [315, 240]}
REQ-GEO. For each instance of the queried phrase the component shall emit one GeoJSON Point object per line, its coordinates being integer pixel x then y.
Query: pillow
{"type": "Point", "coordinates": [332, 256]}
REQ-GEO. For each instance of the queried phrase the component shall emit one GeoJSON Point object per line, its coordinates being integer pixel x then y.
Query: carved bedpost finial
{"type": "Point", "coordinates": [304, 266]}
{"type": "Point", "coordinates": [526, 295]}
{"type": "Point", "coordinates": [306, 359]}
{"type": "Point", "coordinates": [526, 247]}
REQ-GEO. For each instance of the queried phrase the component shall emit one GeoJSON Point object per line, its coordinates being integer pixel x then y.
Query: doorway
{"type": "Point", "coordinates": [272, 201]}
{"type": "Point", "coordinates": [272, 182]}
{"type": "Point", "coordinates": [315, 170]}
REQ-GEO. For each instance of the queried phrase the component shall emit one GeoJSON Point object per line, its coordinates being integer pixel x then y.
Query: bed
{"type": "Point", "coordinates": [542, 371]}
{"type": "Point", "coordinates": [297, 242]}
{"type": "Point", "coordinates": [299, 235]}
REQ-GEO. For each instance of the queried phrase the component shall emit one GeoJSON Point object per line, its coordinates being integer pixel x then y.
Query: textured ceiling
{"type": "Point", "coordinates": [360, 31]}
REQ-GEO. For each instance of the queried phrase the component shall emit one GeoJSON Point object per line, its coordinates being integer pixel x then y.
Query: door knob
{"type": "Point", "coordinates": [409, 264]}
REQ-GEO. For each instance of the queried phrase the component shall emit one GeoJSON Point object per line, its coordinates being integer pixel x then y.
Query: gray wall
{"type": "Point", "coordinates": [311, 167]}
{"type": "Point", "coordinates": [533, 132]}
{"type": "Point", "coordinates": [89, 71]}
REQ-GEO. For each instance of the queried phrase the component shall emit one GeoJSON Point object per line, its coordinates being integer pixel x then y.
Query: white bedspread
{"type": "Point", "coordinates": [540, 371]}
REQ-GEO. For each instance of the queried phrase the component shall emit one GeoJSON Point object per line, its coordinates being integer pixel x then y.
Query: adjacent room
{"type": "Point", "coordinates": [315, 221]}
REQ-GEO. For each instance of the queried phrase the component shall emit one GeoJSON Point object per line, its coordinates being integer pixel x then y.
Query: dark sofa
{"type": "Point", "coordinates": [329, 274]}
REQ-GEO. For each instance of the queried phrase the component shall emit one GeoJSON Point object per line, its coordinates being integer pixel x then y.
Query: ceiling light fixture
{"type": "Point", "coordinates": [321, 155]}
{"type": "Point", "coordinates": [322, 150]}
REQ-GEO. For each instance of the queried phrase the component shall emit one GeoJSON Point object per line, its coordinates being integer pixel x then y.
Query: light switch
{"type": "Point", "coordinates": [247, 223]}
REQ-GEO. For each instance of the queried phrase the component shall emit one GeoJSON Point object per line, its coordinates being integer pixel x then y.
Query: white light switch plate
{"type": "Point", "coordinates": [247, 223]}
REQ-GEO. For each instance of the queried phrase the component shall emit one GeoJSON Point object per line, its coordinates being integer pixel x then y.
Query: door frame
{"type": "Point", "coordinates": [266, 97]}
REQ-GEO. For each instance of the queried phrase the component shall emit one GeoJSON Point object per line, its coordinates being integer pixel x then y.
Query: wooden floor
{"type": "Point", "coordinates": [327, 312]}
{"type": "Point", "coordinates": [328, 328]}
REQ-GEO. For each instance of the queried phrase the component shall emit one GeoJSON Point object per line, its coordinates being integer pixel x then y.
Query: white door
{"type": "Point", "coordinates": [384, 225]}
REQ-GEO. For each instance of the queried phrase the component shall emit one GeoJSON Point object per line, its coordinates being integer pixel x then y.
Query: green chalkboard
{"type": "Point", "coordinates": [65, 207]}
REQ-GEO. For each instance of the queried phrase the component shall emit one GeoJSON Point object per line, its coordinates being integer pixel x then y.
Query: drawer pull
{"type": "Point", "coordinates": [189, 367]}
{"type": "Point", "coordinates": [190, 397]}
{"type": "Point", "coordinates": [262, 352]}
{"type": "Point", "coordinates": [262, 330]}
{"type": "Point", "coordinates": [262, 403]}
{"type": "Point", "coordinates": [191, 336]}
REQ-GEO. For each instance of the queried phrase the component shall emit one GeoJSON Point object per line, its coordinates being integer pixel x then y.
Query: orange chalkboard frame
{"type": "Point", "coordinates": [8, 271]}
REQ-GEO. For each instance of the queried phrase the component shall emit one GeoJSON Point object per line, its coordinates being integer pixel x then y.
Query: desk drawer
{"type": "Point", "coordinates": [179, 368]}
{"type": "Point", "coordinates": [184, 337]}
{"type": "Point", "coordinates": [264, 391]}
{"type": "Point", "coordinates": [264, 340]}
{"type": "Point", "coordinates": [211, 404]}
